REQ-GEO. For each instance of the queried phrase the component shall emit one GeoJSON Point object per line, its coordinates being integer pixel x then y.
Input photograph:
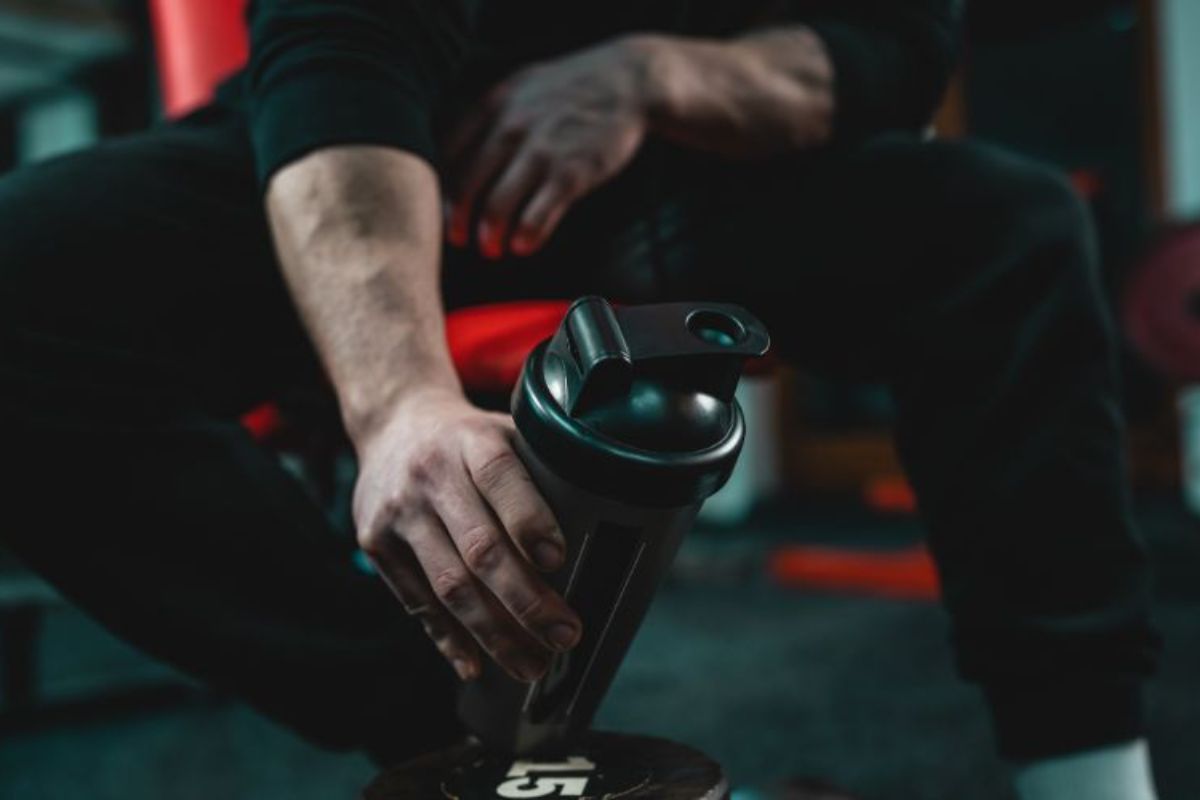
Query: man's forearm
{"type": "Point", "coordinates": [442, 504]}
{"type": "Point", "coordinates": [762, 94]}
{"type": "Point", "coordinates": [357, 231]}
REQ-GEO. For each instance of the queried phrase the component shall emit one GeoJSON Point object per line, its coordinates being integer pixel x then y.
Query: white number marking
{"type": "Point", "coordinates": [520, 784]}
{"type": "Point", "coordinates": [542, 787]}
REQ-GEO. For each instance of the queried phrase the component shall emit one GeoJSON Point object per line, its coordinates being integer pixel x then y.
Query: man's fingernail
{"type": "Point", "coordinates": [487, 244]}
{"type": "Point", "coordinates": [464, 668]}
{"type": "Point", "coordinates": [531, 671]}
{"type": "Point", "coordinates": [561, 635]}
{"type": "Point", "coordinates": [522, 244]}
{"type": "Point", "coordinates": [547, 555]}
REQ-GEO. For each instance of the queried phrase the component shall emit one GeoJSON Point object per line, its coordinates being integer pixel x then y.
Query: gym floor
{"type": "Point", "coordinates": [774, 683]}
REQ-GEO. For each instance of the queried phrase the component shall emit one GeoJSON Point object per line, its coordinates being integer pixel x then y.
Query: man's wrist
{"type": "Point", "coordinates": [766, 92]}
{"type": "Point", "coordinates": [653, 61]}
{"type": "Point", "coordinates": [368, 406]}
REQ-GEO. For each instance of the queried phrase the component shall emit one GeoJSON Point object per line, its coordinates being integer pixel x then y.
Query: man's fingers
{"type": "Point", "coordinates": [488, 552]}
{"type": "Point", "coordinates": [481, 171]}
{"type": "Point", "coordinates": [542, 214]}
{"type": "Point", "coordinates": [510, 491]}
{"type": "Point", "coordinates": [457, 150]}
{"type": "Point", "coordinates": [499, 211]}
{"type": "Point", "coordinates": [458, 591]}
{"type": "Point", "coordinates": [398, 567]}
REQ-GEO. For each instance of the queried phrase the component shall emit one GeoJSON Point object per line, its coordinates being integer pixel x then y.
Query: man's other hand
{"type": "Point", "coordinates": [539, 141]}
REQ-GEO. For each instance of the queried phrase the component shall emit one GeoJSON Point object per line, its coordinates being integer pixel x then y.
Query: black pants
{"type": "Point", "coordinates": [141, 310]}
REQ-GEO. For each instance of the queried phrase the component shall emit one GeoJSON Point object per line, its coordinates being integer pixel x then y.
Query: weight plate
{"type": "Point", "coordinates": [600, 766]}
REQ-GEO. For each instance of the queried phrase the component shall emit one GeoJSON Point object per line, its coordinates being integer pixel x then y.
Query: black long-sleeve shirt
{"type": "Point", "coordinates": [327, 72]}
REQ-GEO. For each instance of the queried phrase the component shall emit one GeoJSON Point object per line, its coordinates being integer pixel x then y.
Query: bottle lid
{"type": "Point", "coordinates": [637, 402]}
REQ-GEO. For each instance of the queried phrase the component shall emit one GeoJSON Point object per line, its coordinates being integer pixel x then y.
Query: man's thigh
{"type": "Point", "coordinates": [154, 246]}
{"type": "Point", "coordinates": [140, 310]}
{"type": "Point", "coordinates": [852, 257]}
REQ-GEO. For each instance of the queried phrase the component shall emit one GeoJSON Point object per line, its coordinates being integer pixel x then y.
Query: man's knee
{"type": "Point", "coordinates": [1011, 204]}
{"type": "Point", "coordinates": [51, 264]}
{"type": "Point", "coordinates": [78, 236]}
{"type": "Point", "coordinates": [1014, 235]}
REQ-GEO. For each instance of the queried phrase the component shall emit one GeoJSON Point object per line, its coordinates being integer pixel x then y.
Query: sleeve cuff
{"type": "Point", "coordinates": [856, 58]}
{"type": "Point", "coordinates": [324, 108]}
{"type": "Point", "coordinates": [885, 79]}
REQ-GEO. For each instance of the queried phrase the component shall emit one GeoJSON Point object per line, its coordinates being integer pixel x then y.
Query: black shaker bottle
{"type": "Point", "coordinates": [627, 422]}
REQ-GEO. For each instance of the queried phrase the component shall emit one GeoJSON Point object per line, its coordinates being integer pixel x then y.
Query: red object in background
{"type": "Point", "coordinates": [1161, 310]}
{"type": "Point", "coordinates": [199, 43]}
{"type": "Point", "coordinates": [890, 494]}
{"type": "Point", "coordinates": [907, 574]}
{"type": "Point", "coordinates": [263, 422]}
{"type": "Point", "coordinates": [489, 343]}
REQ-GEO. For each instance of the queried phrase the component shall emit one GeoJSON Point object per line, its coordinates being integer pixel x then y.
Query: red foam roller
{"type": "Point", "coordinates": [891, 494]}
{"type": "Point", "coordinates": [198, 43]}
{"type": "Point", "coordinates": [489, 343]}
{"type": "Point", "coordinates": [907, 574]}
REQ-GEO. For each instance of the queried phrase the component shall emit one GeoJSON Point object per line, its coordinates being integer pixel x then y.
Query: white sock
{"type": "Point", "coordinates": [1119, 772]}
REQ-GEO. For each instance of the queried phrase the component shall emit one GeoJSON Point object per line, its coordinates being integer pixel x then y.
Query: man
{"type": "Point", "coordinates": [768, 154]}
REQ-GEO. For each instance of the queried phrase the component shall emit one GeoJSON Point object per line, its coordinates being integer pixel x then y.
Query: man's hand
{"type": "Point", "coordinates": [452, 520]}
{"type": "Point", "coordinates": [555, 131]}
{"type": "Point", "coordinates": [541, 140]}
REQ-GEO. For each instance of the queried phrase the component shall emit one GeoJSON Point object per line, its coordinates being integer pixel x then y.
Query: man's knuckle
{"type": "Point", "coordinates": [453, 587]}
{"type": "Point", "coordinates": [477, 427]}
{"type": "Point", "coordinates": [496, 467]}
{"type": "Point", "coordinates": [426, 463]}
{"type": "Point", "coordinates": [392, 507]}
{"type": "Point", "coordinates": [372, 541]}
{"type": "Point", "coordinates": [481, 549]}
{"type": "Point", "coordinates": [529, 608]}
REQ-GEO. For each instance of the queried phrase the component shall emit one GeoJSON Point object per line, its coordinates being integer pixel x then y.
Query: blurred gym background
{"type": "Point", "coordinates": [799, 634]}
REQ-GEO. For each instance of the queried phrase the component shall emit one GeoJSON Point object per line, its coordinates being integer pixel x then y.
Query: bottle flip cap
{"type": "Point", "coordinates": [637, 402]}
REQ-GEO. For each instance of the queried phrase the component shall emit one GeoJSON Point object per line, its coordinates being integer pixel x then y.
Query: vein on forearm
{"type": "Point", "coordinates": [357, 232]}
